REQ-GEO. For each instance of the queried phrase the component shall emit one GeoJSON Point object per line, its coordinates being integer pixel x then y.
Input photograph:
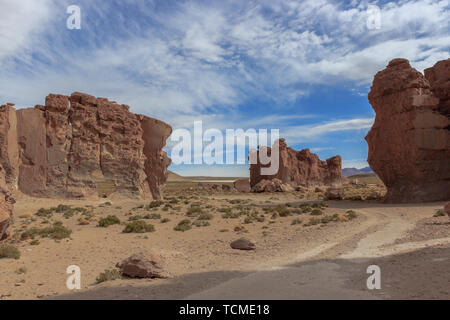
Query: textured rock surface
{"type": "Point", "coordinates": [242, 185]}
{"type": "Point", "coordinates": [409, 143]}
{"type": "Point", "coordinates": [334, 193]}
{"type": "Point", "coordinates": [298, 168]}
{"type": "Point", "coordinates": [243, 244]}
{"type": "Point", "coordinates": [143, 266]}
{"type": "Point", "coordinates": [82, 146]}
{"type": "Point", "coordinates": [447, 209]}
{"type": "Point", "coordinates": [272, 185]}
{"type": "Point", "coordinates": [6, 205]}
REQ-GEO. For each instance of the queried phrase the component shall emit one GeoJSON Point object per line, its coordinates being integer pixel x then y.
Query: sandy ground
{"type": "Point", "coordinates": [324, 261]}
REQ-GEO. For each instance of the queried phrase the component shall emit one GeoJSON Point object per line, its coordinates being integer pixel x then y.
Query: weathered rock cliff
{"type": "Point", "coordinates": [298, 168]}
{"type": "Point", "coordinates": [82, 146]}
{"type": "Point", "coordinates": [409, 143]}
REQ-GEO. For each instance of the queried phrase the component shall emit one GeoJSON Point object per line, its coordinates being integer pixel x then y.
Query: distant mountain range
{"type": "Point", "coordinates": [346, 172]}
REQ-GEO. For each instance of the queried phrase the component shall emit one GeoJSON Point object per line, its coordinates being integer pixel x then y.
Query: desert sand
{"type": "Point", "coordinates": [292, 260]}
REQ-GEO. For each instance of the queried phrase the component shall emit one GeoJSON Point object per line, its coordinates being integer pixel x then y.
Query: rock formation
{"type": "Point", "coordinates": [82, 146]}
{"type": "Point", "coordinates": [298, 168]}
{"type": "Point", "coordinates": [141, 265]}
{"type": "Point", "coordinates": [243, 244]}
{"type": "Point", "coordinates": [242, 185]}
{"type": "Point", "coordinates": [409, 143]}
{"type": "Point", "coordinates": [6, 205]}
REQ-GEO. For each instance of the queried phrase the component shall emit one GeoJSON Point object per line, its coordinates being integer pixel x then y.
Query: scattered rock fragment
{"type": "Point", "coordinates": [149, 265]}
{"type": "Point", "coordinates": [242, 185]}
{"type": "Point", "coordinates": [243, 244]}
{"type": "Point", "coordinates": [334, 193]}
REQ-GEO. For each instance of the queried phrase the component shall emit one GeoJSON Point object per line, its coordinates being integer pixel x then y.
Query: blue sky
{"type": "Point", "coordinates": [304, 67]}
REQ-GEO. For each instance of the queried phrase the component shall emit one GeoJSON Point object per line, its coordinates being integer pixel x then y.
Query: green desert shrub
{"type": "Point", "coordinates": [439, 213]}
{"type": "Point", "coordinates": [205, 216]}
{"type": "Point", "coordinates": [57, 231]}
{"type": "Point", "coordinates": [201, 223]}
{"type": "Point", "coordinates": [194, 211]}
{"type": "Point", "coordinates": [296, 221]}
{"type": "Point", "coordinates": [183, 225]}
{"type": "Point", "coordinates": [135, 218]}
{"type": "Point", "coordinates": [9, 252]}
{"type": "Point", "coordinates": [154, 216]}
{"type": "Point", "coordinates": [138, 227]}
{"type": "Point", "coordinates": [108, 221]}
{"type": "Point", "coordinates": [316, 212]}
{"type": "Point", "coordinates": [155, 204]}
{"type": "Point", "coordinates": [108, 275]}
{"type": "Point", "coordinates": [350, 214]}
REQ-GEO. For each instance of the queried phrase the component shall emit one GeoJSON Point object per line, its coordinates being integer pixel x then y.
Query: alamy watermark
{"type": "Point", "coordinates": [73, 282]}
{"type": "Point", "coordinates": [191, 148]}
{"type": "Point", "coordinates": [373, 17]}
{"type": "Point", "coordinates": [73, 22]}
{"type": "Point", "coordinates": [374, 280]}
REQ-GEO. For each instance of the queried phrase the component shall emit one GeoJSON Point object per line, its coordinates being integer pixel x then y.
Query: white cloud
{"type": "Point", "coordinates": [196, 61]}
{"type": "Point", "coordinates": [307, 133]}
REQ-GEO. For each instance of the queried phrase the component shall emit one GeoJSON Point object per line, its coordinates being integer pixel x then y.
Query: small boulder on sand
{"type": "Point", "coordinates": [149, 265]}
{"type": "Point", "coordinates": [242, 185]}
{"type": "Point", "coordinates": [334, 193]}
{"type": "Point", "coordinates": [243, 244]}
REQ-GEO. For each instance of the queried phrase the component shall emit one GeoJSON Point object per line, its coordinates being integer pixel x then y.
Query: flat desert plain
{"type": "Point", "coordinates": [306, 247]}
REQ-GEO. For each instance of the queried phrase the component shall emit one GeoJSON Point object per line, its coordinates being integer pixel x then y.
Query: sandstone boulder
{"type": "Point", "coordinates": [273, 185]}
{"type": "Point", "coordinates": [149, 265]}
{"type": "Point", "coordinates": [242, 185]}
{"type": "Point", "coordinates": [409, 143]}
{"type": "Point", "coordinates": [243, 244]}
{"type": "Point", "coordinates": [297, 168]}
{"type": "Point", "coordinates": [334, 193]}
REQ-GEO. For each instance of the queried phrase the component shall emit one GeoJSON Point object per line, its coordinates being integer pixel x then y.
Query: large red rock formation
{"type": "Point", "coordinates": [82, 146]}
{"type": "Point", "coordinates": [298, 168]}
{"type": "Point", "coordinates": [6, 205]}
{"type": "Point", "coordinates": [409, 143]}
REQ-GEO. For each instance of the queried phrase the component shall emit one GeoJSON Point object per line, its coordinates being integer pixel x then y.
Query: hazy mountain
{"type": "Point", "coordinates": [346, 172]}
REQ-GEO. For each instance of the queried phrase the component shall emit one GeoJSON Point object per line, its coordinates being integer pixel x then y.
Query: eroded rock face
{"type": "Point", "coordinates": [298, 168]}
{"type": "Point", "coordinates": [409, 143]}
{"type": "Point", "coordinates": [6, 205]}
{"type": "Point", "coordinates": [82, 146]}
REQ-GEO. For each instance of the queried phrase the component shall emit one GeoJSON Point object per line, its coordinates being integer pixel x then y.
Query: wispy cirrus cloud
{"type": "Point", "coordinates": [231, 63]}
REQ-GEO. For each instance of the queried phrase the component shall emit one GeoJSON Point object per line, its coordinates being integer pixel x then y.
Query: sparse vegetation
{"type": "Point", "coordinates": [205, 216]}
{"type": "Point", "coordinates": [9, 252]}
{"type": "Point", "coordinates": [316, 212]}
{"type": "Point", "coordinates": [156, 204]}
{"type": "Point", "coordinates": [154, 216]}
{"type": "Point", "coordinates": [57, 232]}
{"type": "Point", "coordinates": [183, 225]}
{"type": "Point", "coordinates": [138, 227]}
{"type": "Point", "coordinates": [350, 214]}
{"type": "Point", "coordinates": [439, 213]}
{"type": "Point", "coordinates": [108, 275]}
{"type": "Point", "coordinates": [21, 270]}
{"type": "Point", "coordinates": [201, 223]}
{"type": "Point", "coordinates": [108, 221]}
